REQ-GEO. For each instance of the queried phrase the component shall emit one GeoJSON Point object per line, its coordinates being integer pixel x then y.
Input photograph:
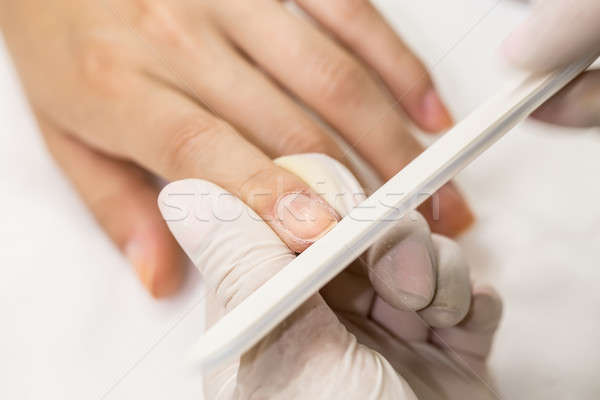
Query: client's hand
{"type": "Point", "coordinates": [556, 33]}
{"type": "Point", "coordinates": [209, 89]}
{"type": "Point", "coordinates": [367, 334]}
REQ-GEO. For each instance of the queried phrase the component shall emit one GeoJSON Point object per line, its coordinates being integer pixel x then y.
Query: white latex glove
{"type": "Point", "coordinates": [558, 32]}
{"type": "Point", "coordinates": [357, 339]}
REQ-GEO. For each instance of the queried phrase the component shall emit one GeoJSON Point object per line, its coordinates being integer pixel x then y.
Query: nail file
{"type": "Point", "coordinates": [260, 312]}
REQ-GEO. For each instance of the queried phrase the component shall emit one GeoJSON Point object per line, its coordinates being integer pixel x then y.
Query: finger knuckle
{"type": "Point", "coordinates": [160, 24]}
{"type": "Point", "coordinates": [305, 141]}
{"type": "Point", "coordinates": [261, 186]}
{"type": "Point", "coordinates": [341, 81]}
{"type": "Point", "coordinates": [102, 63]}
{"type": "Point", "coordinates": [186, 141]}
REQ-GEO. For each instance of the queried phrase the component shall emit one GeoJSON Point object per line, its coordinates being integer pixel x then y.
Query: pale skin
{"type": "Point", "coordinates": [124, 90]}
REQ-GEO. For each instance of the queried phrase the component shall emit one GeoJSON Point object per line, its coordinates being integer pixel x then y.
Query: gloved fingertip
{"type": "Point", "coordinates": [485, 312]}
{"type": "Point", "coordinates": [404, 275]}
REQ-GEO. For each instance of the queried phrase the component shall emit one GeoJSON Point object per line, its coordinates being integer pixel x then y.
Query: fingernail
{"type": "Point", "coordinates": [304, 217]}
{"type": "Point", "coordinates": [447, 212]}
{"type": "Point", "coordinates": [138, 257]}
{"type": "Point", "coordinates": [410, 271]}
{"type": "Point", "coordinates": [435, 115]}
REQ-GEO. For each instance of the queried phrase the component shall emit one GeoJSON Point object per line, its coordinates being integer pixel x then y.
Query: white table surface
{"type": "Point", "coordinates": [75, 323]}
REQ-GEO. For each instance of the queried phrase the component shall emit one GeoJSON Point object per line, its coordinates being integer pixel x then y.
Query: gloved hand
{"type": "Point", "coordinates": [366, 334]}
{"type": "Point", "coordinates": [556, 33]}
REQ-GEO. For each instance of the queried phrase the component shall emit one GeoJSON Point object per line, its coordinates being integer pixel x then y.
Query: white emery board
{"type": "Point", "coordinates": [260, 312]}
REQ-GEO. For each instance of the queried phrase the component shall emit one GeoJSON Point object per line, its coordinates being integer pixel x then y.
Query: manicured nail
{"type": "Point", "coordinates": [435, 115]}
{"type": "Point", "coordinates": [304, 217]}
{"type": "Point", "coordinates": [138, 257]}
{"type": "Point", "coordinates": [409, 269]}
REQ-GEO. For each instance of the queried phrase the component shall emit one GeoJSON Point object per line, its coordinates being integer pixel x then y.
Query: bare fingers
{"type": "Point", "coordinates": [122, 197]}
{"type": "Point", "coordinates": [336, 85]}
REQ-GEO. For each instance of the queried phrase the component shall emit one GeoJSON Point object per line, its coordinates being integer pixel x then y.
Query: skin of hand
{"type": "Point", "coordinates": [125, 90]}
{"type": "Point", "coordinates": [556, 33]}
{"type": "Point", "coordinates": [367, 334]}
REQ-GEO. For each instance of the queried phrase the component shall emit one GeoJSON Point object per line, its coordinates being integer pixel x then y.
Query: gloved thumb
{"type": "Point", "coordinates": [237, 252]}
{"type": "Point", "coordinates": [557, 32]}
{"type": "Point", "coordinates": [234, 249]}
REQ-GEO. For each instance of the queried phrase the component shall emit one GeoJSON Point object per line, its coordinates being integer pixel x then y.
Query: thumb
{"type": "Point", "coordinates": [234, 249]}
{"type": "Point", "coordinates": [556, 33]}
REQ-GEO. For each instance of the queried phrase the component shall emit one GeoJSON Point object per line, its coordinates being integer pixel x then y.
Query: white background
{"type": "Point", "coordinates": [75, 324]}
